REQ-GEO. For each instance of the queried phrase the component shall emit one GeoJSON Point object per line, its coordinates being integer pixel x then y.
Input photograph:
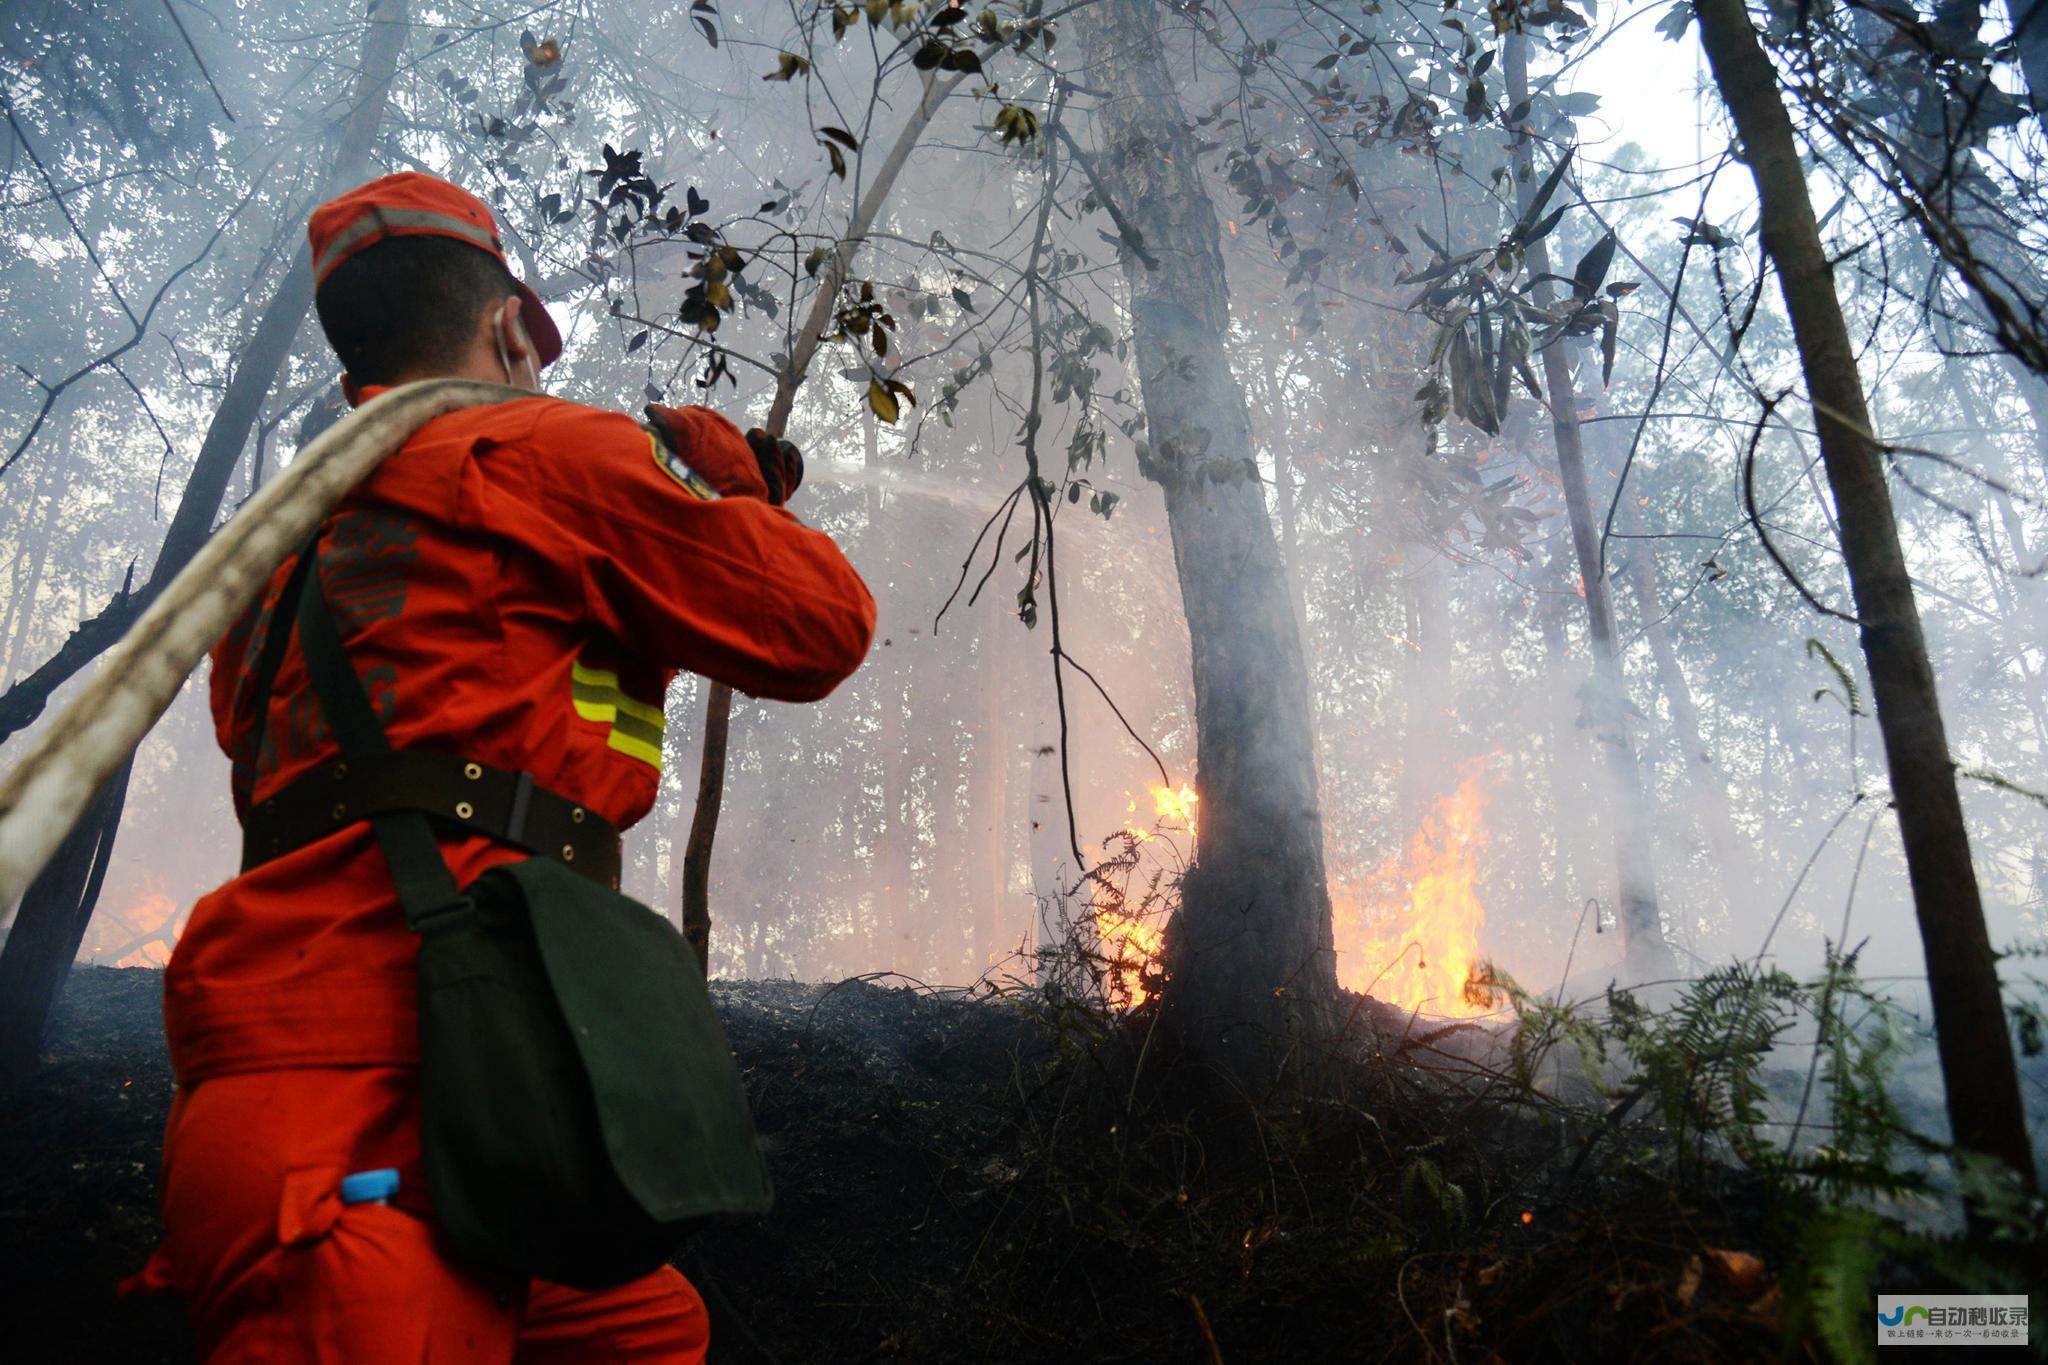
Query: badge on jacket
{"type": "Point", "coordinates": [672, 465]}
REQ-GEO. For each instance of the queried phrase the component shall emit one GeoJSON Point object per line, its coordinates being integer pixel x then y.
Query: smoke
{"type": "Point", "coordinates": [918, 820]}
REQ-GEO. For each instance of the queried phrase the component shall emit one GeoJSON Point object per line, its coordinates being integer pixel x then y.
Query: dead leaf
{"type": "Point", "coordinates": [1689, 1283]}
{"type": "Point", "coordinates": [1742, 1270]}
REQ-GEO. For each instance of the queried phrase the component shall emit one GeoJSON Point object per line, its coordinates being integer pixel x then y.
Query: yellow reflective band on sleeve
{"type": "Point", "coordinates": [672, 465]}
{"type": "Point", "coordinates": [637, 726]}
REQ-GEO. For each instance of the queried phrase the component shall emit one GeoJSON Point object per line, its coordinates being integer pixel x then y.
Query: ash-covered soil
{"type": "Point", "coordinates": [974, 1179]}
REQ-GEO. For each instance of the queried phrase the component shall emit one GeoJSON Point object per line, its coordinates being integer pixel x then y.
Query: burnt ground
{"type": "Point", "coordinates": [972, 1179]}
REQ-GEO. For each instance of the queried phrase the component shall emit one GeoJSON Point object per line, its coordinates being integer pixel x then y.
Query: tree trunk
{"type": "Point", "coordinates": [718, 697]}
{"type": "Point", "coordinates": [54, 913]}
{"type": "Point", "coordinates": [1735, 862]}
{"type": "Point", "coordinates": [1976, 1051]}
{"type": "Point", "coordinates": [1641, 930]}
{"type": "Point", "coordinates": [1249, 955]}
{"type": "Point", "coordinates": [2017, 626]}
{"type": "Point", "coordinates": [893, 676]}
{"type": "Point", "coordinates": [56, 908]}
{"type": "Point", "coordinates": [1568, 797]}
{"type": "Point", "coordinates": [241, 403]}
{"type": "Point", "coordinates": [1283, 488]}
{"type": "Point", "coordinates": [1427, 764]}
{"type": "Point", "coordinates": [52, 488]}
{"type": "Point", "coordinates": [1735, 879]}
{"type": "Point", "coordinates": [2030, 31]}
{"type": "Point", "coordinates": [993, 751]}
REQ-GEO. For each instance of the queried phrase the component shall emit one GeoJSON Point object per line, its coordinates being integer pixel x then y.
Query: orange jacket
{"type": "Point", "coordinates": [517, 585]}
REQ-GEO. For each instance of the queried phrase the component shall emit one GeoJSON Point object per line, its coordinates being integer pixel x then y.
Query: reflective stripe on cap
{"type": "Point", "coordinates": [378, 222]}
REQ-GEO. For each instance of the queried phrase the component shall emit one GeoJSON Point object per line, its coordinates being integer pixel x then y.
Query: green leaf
{"type": "Point", "coordinates": [1610, 331]}
{"type": "Point", "coordinates": [1851, 697]}
{"type": "Point", "coordinates": [1700, 232]}
{"type": "Point", "coordinates": [2004, 784]}
{"type": "Point", "coordinates": [1542, 229]}
{"type": "Point", "coordinates": [882, 401]}
{"type": "Point", "coordinates": [1541, 199]}
{"type": "Point", "coordinates": [1475, 100]}
{"type": "Point", "coordinates": [1591, 270]}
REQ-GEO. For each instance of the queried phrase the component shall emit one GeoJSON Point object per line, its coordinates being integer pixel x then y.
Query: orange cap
{"type": "Point", "coordinates": [410, 204]}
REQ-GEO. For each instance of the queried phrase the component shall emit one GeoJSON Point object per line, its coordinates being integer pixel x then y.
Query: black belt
{"type": "Point", "coordinates": [454, 792]}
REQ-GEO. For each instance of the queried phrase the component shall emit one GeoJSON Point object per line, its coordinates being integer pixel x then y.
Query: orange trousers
{"type": "Point", "coordinates": [277, 1269]}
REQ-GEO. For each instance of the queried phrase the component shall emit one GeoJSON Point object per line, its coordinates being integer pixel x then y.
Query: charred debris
{"type": "Point", "coordinates": [998, 1174]}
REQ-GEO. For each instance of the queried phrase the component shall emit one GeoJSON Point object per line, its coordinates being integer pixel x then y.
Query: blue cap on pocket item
{"type": "Point", "coordinates": [368, 1186]}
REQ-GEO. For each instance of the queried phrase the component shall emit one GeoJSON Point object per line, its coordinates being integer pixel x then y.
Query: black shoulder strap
{"type": "Point", "coordinates": [277, 634]}
{"type": "Point", "coordinates": [425, 886]}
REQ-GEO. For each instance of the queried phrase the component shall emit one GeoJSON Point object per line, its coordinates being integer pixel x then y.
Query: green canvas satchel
{"type": "Point", "coordinates": [581, 1110]}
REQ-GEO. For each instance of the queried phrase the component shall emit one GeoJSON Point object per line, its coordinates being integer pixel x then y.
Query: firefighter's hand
{"type": "Point", "coordinates": [782, 464]}
{"type": "Point", "coordinates": [713, 450]}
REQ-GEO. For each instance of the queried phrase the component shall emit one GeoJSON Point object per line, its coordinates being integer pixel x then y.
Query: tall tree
{"type": "Point", "coordinates": [1249, 954]}
{"type": "Point", "coordinates": [58, 905]}
{"type": "Point", "coordinates": [42, 945]}
{"type": "Point", "coordinates": [241, 403]}
{"type": "Point", "coordinates": [2030, 37]}
{"type": "Point", "coordinates": [1642, 931]}
{"type": "Point", "coordinates": [1984, 1106]}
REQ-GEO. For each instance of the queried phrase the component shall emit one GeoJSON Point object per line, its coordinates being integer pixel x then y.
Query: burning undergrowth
{"type": "Point", "coordinates": [1007, 1175]}
{"type": "Point", "coordinates": [1409, 934]}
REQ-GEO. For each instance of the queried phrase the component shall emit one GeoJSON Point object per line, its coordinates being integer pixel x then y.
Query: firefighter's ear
{"type": "Point", "coordinates": [516, 350]}
{"type": "Point", "coordinates": [351, 390]}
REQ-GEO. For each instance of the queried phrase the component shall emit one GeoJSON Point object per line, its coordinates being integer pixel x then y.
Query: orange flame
{"type": "Point", "coordinates": [1176, 807]}
{"type": "Point", "coordinates": [1419, 945]}
{"type": "Point", "coordinates": [1171, 810]}
{"type": "Point", "coordinates": [1410, 937]}
{"type": "Point", "coordinates": [138, 934]}
{"type": "Point", "coordinates": [1130, 943]}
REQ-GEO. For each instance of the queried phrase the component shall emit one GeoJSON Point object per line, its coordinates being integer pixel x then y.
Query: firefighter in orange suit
{"type": "Point", "coordinates": [517, 586]}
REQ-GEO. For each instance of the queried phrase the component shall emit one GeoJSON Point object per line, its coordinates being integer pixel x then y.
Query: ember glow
{"type": "Point", "coordinates": [1130, 943]}
{"type": "Point", "coordinates": [1176, 809]}
{"type": "Point", "coordinates": [1410, 935]}
{"type": "Point", "coordinates": [140, 933]}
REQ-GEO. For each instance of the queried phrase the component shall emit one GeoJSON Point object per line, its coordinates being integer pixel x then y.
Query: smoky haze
{"type": "Point", "coordinates": [159, 176]}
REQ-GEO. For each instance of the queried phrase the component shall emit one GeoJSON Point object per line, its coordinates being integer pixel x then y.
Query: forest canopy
{"type": "Point", "coordinates": [1461, 505]}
